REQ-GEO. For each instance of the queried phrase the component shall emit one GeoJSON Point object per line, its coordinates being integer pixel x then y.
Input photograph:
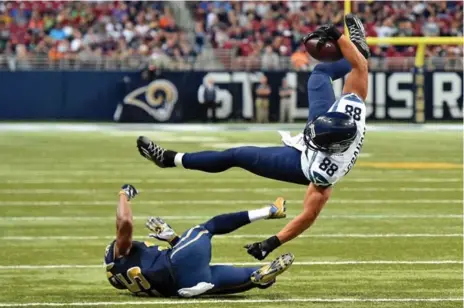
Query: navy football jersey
{"type": "Point", "coordinates": [146, 270]}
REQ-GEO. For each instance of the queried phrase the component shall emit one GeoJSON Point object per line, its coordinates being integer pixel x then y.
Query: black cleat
{"type": "Point", "coordinates": [357, 34]}
{"type": "Point", "coordinates": [155, 153]}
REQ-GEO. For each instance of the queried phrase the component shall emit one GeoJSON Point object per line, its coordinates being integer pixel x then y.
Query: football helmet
{"type": "Point", "coordinates": [332, 132]}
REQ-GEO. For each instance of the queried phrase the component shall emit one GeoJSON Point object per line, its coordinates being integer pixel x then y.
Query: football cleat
{"type": "Point", "coordinates": [357, 34]}
{"type": "Point", "coordinates": [277, 209]}
{"type": "Point", "coordinates": [268, 273]}
{"type": "Point", "coordinates": [152, 151]}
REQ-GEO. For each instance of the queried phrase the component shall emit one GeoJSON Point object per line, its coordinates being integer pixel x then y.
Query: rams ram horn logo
{"type": "Point", "coordinates": [160, 98]}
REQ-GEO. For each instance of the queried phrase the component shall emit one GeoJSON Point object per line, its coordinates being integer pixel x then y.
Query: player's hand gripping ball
{"type": "Point", "coordinates": [322, 44]}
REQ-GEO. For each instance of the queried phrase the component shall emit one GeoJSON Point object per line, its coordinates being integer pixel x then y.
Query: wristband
{"type": "Point", "coordinates": [174, 241]}
{"type": "Point", "coordinates": [122, 192]}
{"type": "Point", "coordinates": [273, 242]}
{"type": "Point", "coordinates": [334, 33]}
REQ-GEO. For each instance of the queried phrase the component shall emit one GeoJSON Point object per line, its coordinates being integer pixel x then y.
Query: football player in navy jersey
{"type": "Point", "coordinates": [184, 269]}
{"type": "Point", "coordinates": [320, 156]}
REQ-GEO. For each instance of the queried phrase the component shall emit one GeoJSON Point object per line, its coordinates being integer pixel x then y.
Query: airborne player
{"type": "Point", "coordinates": [320, 156]}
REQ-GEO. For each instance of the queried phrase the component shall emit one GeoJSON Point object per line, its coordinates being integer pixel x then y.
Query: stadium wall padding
{"type": "Point", "coordinates": [46, 95]}
{"type": "Point", "coordinates": [172, 96]}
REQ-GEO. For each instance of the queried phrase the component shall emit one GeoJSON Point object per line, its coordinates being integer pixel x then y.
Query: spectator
{"type": "Point", "coordinates": [300, 59]}
{"type": "Point", "coordinates": [76, 41]}
{"type": "Point", "coordinates": [207, 96]}
{"type": "Point", "coordinates": [4, 35]}
{"type": "Point", "coordinates": [404, 28]}
{"type": "Point", "coordinates": [430, 28]}
{"type": "Point", "coordinates": [269, 60]}
{"type": "Point", "coordinates": [386, 29]}
{"type": "Point", "coordinates": [57, 33]}
{"type": "Point", "coordinates": [263, 91]}
{"type": "Point", "coordinates": [286, 107]}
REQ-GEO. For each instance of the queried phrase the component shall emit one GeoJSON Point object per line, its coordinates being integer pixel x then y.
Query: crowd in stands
{"type": "Point", "coordinates": [89, 30]}
{"type": "Point", "coordinates": [255, 34]}
{"type": "Point", "coordinates": [262, 32]}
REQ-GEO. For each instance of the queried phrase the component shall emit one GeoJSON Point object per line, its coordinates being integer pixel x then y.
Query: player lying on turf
{"type": "Point", "coordinates": [184, 269]}
{"type": "Point", "coordinates": [320, 156]}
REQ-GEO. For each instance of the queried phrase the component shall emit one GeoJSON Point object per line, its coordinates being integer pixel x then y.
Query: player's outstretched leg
{"type": "Point", "coordinates": [231, 279]}
{"type": "Point", "coordinates": [191, 255]}
{"type": "Point", "coordinates": [321, 95]}
{"type": "Point", "coordinates": [278, 163]}
{"type": "Point", "coordinates": [226, 223]}
{"type": "Point", "coordinates": [357, 34]}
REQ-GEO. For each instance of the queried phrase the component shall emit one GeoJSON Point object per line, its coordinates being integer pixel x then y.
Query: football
{"type": "Point", "coordinates": [329, 52]}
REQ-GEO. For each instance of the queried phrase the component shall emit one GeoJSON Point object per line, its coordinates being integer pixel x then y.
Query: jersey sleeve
{"type": "Point", "coordinates": [319, 179]}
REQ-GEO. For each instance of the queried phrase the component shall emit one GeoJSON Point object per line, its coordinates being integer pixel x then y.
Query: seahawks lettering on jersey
{"type": "Point", "coordinates": [325, 169]}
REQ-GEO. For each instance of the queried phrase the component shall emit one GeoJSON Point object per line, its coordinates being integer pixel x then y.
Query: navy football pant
{"type": "Point", "coordinates": [321, 95]}
{"type": "Point", "coordinates": [277, 163]}
{"type": "Point", "coordinates": [191, 256]}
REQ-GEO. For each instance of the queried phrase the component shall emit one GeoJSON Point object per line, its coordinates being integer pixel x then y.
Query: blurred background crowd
{"type": "Point", "coordinates": [244, 35]}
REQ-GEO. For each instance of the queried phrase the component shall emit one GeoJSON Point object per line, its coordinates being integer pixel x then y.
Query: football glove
{"type": "Point", "coordinates": [261, 250]}
{"type": "Point", "coordinates": [324, 33]}
{"type": "Point", "coordinates": [161, 230]}
{"type": "Point", "coordinates": [129, 190]}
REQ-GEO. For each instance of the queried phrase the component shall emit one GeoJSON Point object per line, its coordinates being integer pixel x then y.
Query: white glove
{"type": "Point", "coordinates": [200, 288]}
{"type": "Point", "coordinates": [161, 230]}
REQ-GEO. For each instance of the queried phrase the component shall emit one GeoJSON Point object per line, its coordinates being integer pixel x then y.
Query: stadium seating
{"type": "Point", "coordinates": [245, 29]}
{"type": "Point", "coordinates": [90, 30]}
{"type": "Point", "coordinates": [245, 35]}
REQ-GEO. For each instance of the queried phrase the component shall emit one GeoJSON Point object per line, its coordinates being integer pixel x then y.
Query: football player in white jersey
{"type": "Point", "coordinates": [320, 156]}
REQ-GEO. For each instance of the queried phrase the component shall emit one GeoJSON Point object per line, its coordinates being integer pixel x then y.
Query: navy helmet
{"type": "Point", "coordinates": [332, 132]}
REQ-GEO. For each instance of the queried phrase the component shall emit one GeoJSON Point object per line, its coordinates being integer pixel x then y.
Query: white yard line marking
{"type": "Point", "coordinates": [298, 263]}
{"type": "Point", "coordinates": [241, 236]}
{"type": "Point", "coordinates": [213, 180]}
{"type": "Point", "coordinates": [239, 301]}
{"type": "Point", "coordinates": [40, 191]}
{"type": "Point", "coordinates": [230, 201]}
{"type": "Point", "coordinates": [193, 217]}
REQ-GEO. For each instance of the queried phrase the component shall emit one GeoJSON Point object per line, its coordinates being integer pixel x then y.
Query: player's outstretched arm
{"type": "Point", "coordinates": [314, 200]}
{"type": "Point", "coordinates": [124, 224]}
{"type": "Point", "coordinates": [356, 80]}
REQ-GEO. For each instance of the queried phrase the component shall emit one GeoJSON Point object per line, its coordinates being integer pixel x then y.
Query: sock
{"type": "Point", "coordinates": [262, 213]}
{"type": "Point", "coordinates": [168, 158]}
{"type": "Point", "coordinates": [178, 160]}
{"type": "Point", "coordinates": [226, 223]}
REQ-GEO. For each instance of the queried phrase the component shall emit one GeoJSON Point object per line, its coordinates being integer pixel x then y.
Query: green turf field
{"type": "Point", "coordinates": [390, 237]}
